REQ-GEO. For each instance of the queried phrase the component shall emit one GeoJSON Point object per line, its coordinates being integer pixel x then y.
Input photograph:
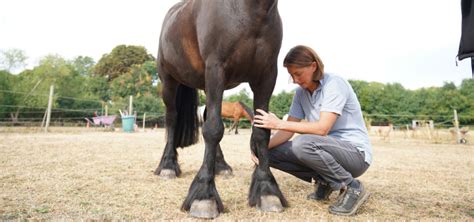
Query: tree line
{"type": "Point", "coordinates": [83, 87]}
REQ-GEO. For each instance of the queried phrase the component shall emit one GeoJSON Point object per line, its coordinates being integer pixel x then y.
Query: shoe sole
{"type": "Point", "coordinates": [363, 199]}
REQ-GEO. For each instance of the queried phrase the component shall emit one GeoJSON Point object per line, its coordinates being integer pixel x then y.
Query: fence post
{"type": "Point", "coordinates": [50, 104]}
{"type": "Point", "coordinates": [144, 119]}
{"type": "Point", "coordinates": [456, 126]}
{"type": "Point", "coordinates": [130, 106]}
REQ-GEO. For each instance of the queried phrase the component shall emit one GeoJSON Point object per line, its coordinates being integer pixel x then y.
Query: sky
{"type": "Point", "coordinates": [411, 42]}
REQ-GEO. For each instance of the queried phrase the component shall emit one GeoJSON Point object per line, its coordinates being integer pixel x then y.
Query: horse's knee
{"type": "Point", "coordinates": [213, 131]}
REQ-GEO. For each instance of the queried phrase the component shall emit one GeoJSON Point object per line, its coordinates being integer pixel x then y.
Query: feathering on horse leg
{"type": "Point", "coordinates": [203, 200]}
{"type": "Point", "coordinates": [169, 166]}
{"type": "Point", "coordinates": [222, 168]}
{"type": "Point", "coordinates": [264, 191]}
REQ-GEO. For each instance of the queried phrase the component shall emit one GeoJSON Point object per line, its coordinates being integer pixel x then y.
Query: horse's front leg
{"type": "Point", "coordinates": [222, 167]}
{"type": "Point", "coordinates": [203, 200]}
{"type": "Point", "coordinates": [264, 191]}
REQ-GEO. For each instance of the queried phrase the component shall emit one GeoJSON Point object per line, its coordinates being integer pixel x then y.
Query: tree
{"type": "Point", "coordinates": [83, 65]}
{"type": "Point", "coordinates": [467, 90]}
{"type": "Point", "coordinates": [150, 67]}
{"type": "Point", "coordinates": [98, 86]}
{"type": "Point", "coordinates": [280, 104]}
{"type": "Point", "coordinates": [371, 96]}
{"type": "Point", "coordinates": [69, 87]}
{"type": "Point", "coordinates": [202, 97]}
{"type": "Point", "coordinates": [361, 89]}
{"type": "Point", "coordinates": [7, 96]}
{"type": "Point", "coordinates": [448, 86]}
{"type": "Point", "coordinates": [138, 82]}
{"type": "Point", "coordinates": [120, 61]}
{"type": "Point", "coordinates": [394, 103]}
{"type": "Point", "coordinates": [150, 104]}
{"type": "Point", "coordinates": [13, 59]}
{"type": "Point", "coordinates": [242, 96]}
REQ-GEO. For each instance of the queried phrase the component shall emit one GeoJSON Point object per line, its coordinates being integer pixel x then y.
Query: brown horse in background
{"type": "Point", "coordinates": [231, 110]}
{"type": "Point", "coordinates": [235, 111]}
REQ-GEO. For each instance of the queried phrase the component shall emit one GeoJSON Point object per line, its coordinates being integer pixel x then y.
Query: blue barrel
{"type": "Point", "coordinates": [127, 123]}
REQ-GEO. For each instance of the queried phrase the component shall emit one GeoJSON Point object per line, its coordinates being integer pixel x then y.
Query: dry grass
{"type": "Point", "coordinates": [73, 174]}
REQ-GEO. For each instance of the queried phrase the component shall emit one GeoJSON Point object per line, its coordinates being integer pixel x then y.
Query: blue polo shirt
{"type": "Point", "coordinates": [336, 95]}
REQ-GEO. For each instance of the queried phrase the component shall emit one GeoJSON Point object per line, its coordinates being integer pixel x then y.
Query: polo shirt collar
{"type": "Point", "coordinates": [321, 83]}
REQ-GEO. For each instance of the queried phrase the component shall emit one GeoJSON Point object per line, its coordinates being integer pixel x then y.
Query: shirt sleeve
{"type": "Point", "coordinates": [336, 93]}
{"type": "Point", "coordinates": [296, 109]}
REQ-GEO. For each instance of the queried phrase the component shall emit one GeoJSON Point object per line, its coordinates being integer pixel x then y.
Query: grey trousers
{"type": "Point", "coordinates": [327, 159]}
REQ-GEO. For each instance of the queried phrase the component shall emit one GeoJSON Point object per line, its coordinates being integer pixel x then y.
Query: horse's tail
{"type": "Point", "coordinates": [248, 111]}
{"type": "Point", "coordinates": [187, 127]}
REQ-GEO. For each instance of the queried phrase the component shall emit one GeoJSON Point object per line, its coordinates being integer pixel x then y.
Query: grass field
{"type": "Point", "coordinates": [78, 174]}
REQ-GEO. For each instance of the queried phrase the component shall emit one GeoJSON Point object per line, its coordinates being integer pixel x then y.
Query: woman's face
{"type": "Point", "coordinates": [303, 76]}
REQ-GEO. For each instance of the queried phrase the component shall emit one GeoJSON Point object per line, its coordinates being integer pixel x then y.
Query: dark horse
{"type": "Point", "coordinates": [214, 46]}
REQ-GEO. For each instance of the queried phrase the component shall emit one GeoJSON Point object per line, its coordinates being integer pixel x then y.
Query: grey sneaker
{"type": "Point", "coordinates": [340, 196]}
{"type": "Point", "coordinates": [351, 200]}
{"type": "Point", "coordinates": [323, 191]}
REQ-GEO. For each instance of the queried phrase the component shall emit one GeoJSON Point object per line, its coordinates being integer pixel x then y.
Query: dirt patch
{"type": "Point", "coordinates": [94, 175]}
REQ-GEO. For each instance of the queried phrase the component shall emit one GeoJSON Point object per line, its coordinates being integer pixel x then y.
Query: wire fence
{"type": "Point", "coordinates": [34, 115]}
{"type": "Point", "coordinates": [448, 120]}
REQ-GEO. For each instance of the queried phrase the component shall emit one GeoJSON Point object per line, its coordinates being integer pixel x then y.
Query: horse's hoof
{"type": "Point", "coordinates": [204, 209]}
{"type": "Point", "coordinates": [226, 174]}
{"type": "Point", "coordinates": [167, 174]}
{"type": "Point", "coordinates": [270, 204]}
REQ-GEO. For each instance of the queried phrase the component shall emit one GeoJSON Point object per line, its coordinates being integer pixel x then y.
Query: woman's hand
{"type": "Point", "coordinates": [254, 158]}
{"type": "Point", "coordinates": [266, 120]}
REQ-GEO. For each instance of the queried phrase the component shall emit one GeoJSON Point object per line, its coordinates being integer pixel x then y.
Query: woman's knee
{"type": "Point", "coordinates": [305, 145]}
{"type": "Point", "coordinates": [304, 150]}
{"type": "Point", "coordinates": [302, 140]}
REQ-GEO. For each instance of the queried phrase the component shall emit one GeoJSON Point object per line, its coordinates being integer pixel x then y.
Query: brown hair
{"type": "Point", "coordinates": [303, 56]}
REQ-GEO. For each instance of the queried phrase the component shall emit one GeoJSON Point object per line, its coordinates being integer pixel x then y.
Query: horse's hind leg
{"type": "Point", "coordinates": [169, 167]}
{"type": "Point", "coordinates": [264, 191]}
{"type": "Point", "coordinates": [231, 128]}
{"type": "Point", "coordinates": [234, 125]}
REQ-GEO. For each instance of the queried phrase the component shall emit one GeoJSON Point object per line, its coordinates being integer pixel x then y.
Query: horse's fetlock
{"type": "Point", "coordinates": [263, 174]}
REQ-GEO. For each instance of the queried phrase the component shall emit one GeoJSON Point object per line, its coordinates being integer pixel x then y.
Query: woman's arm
{"type": "Point", "coordinates": [321, 127]}
{"type": "Point", "coordinates": [282, 136]}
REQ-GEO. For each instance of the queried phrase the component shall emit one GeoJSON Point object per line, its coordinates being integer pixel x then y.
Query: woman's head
{"type": "Point", "coordinates": [303, 56]}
